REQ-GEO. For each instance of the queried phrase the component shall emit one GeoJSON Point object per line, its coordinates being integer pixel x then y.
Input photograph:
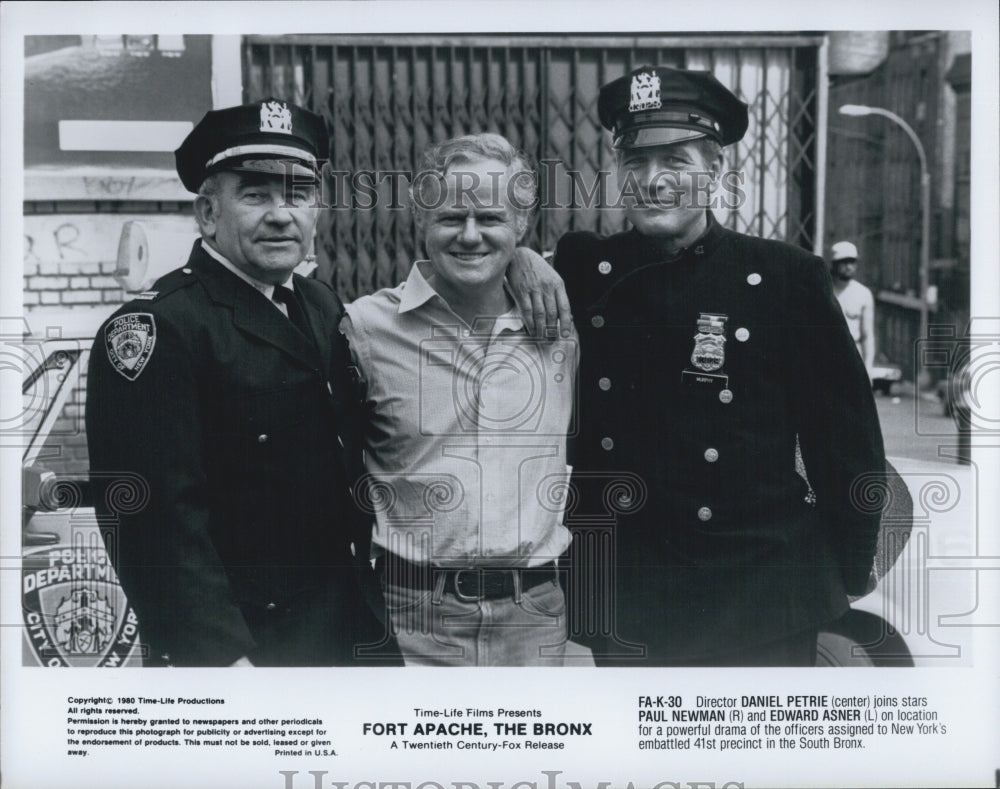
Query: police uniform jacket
{"type": "Point", "coordinates": [238, 538]}
{"type": "Point", "coordinates": [687, 445]}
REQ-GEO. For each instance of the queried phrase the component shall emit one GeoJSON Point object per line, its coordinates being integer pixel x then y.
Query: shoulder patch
{"type": "Point", "coordinates": [129, 340]}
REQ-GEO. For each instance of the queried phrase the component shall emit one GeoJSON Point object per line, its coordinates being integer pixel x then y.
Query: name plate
{"type": "Point", "coordinates": [710, 381]}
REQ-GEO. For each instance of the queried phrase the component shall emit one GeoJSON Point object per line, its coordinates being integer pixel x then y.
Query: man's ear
{"type": "Point", "coordinates": [715, 168]}
{"type": "Point", "coordinates": [205, 215]}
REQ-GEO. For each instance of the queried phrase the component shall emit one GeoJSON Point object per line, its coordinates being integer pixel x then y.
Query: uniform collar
{"type": "Point", "coordinates": [704, 245]}
{"type": "Point", "coordinates": [250, 313]}
{"type": "Point", "coordinates": [264, 287]}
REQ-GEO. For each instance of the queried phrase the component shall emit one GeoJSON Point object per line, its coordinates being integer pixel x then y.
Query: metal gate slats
{"type": "Point", "coordinates": [386, 98]}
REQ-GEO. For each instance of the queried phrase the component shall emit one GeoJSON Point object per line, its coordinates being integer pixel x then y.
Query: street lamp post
{"type": "Point", "coordinates": [858, 110]}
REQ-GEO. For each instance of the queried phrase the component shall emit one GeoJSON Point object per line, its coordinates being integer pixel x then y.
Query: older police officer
{"type": "Point", "coordinates": [226, 390]}
{"type": "Point", "coordinates": [706, 356]}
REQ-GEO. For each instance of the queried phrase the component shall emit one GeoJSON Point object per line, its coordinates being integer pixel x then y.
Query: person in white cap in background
{"type": "Point", "coordinates": [855, 300]}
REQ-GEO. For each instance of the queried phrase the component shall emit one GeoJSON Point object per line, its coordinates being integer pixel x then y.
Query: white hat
{"type": "Point", "coordinates": [844, 250]}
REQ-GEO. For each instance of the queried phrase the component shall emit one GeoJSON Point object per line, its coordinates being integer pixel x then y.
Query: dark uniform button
{"type": "Point", "coordinates": [607, 443]}
{"type": "Point", "coordinates": [604, 267]}
{"type": "Point", "coordinates": [604, 384]}
{"type": "Point", "coordinates": [726, 396]}
{"type": "Point", "coordinates": [704, 514]}
{"type": "Point", "coordinates": [186, 270]}
{"type": "Point", "coordinates": [271, 606]}
{"type": "Point", "coordinates": [754, 279]}
{"type": "Point", "coordinates": [711, 454]}
{"type": "Point", "coordinates": [597, 321]}
{"type": "Point", "coordinates": [262, 438]}
{"type": "Point", "coordinates": [742, 334]}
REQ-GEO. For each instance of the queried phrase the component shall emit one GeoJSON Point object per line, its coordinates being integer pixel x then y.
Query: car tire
{"type": "Point", "coordinates": [859, 638]}
{"type": "Point", "coordinates": [834, 649]}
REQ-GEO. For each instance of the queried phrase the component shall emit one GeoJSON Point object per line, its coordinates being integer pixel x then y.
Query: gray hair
{"type": "Point", "coordinates": [210, 186]}
{"type": "Point", "coordinates": [209, 190]}
{"type": "Point", "coordinates": [522, 182]}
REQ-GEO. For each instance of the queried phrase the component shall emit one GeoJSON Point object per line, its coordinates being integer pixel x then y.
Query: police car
{"type": "Point", "coordinates": [74, 611]}
{"type": "Point", "coordinates": [918, 611]}
{"type": "Point", "coordinates": [921, 609]}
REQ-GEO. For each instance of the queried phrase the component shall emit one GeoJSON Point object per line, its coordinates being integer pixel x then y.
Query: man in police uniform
{"type": "Point", "coordinates": [225, 389]}
{"type": "Point", "coordinates": [705, 356]}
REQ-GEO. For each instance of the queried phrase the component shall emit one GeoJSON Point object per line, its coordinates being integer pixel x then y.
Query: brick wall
{"type": "Point", "coordinates": [70, 252]}
{"type": "Point", "coordinates": [69, 255]}
{"type": "Point", "coordinates": [70, 284]}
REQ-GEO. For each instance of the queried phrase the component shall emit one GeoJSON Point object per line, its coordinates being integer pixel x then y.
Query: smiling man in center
{"type": "Point", "coordinates": [466, 429]}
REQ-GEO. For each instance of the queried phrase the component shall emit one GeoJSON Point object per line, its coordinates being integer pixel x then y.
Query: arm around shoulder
{"type": "Point", "coordinates": [540, 294]}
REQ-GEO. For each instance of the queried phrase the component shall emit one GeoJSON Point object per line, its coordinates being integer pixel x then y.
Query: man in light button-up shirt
{"type": "Point", "coordinates": [467, 423]}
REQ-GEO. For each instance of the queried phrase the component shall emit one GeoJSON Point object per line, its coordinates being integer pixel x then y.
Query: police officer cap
{"type": "Point", "coordinates": [269, 136]}
{"type": "Point", "coordinates": [661, 105]}
{"type": "Point", "coordinates": [844, 250]}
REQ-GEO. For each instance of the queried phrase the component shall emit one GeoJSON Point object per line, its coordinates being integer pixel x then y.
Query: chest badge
{"type": "Point", "coordinates": [710, 342]}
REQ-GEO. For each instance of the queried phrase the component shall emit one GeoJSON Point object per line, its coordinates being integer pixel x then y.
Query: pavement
{"type": "Point", "coordinates": [914, 426]}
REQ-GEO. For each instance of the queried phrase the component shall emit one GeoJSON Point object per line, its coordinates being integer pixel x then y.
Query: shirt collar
{"type": "Point", "coordinates": [417, 291]}
{"type": "Point", "coordinates": [264, 287]}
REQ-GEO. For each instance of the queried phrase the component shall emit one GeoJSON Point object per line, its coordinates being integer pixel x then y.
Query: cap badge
{"type": "Point", "coordinates": [275, 117]}
{"type": "Point", "coordinates": [710, 342]}
{"type": "Point", "coordinates": [645, 92]}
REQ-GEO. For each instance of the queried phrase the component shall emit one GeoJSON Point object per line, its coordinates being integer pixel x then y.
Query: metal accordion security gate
{"type": "Point", "coordinates": [386, 98]}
